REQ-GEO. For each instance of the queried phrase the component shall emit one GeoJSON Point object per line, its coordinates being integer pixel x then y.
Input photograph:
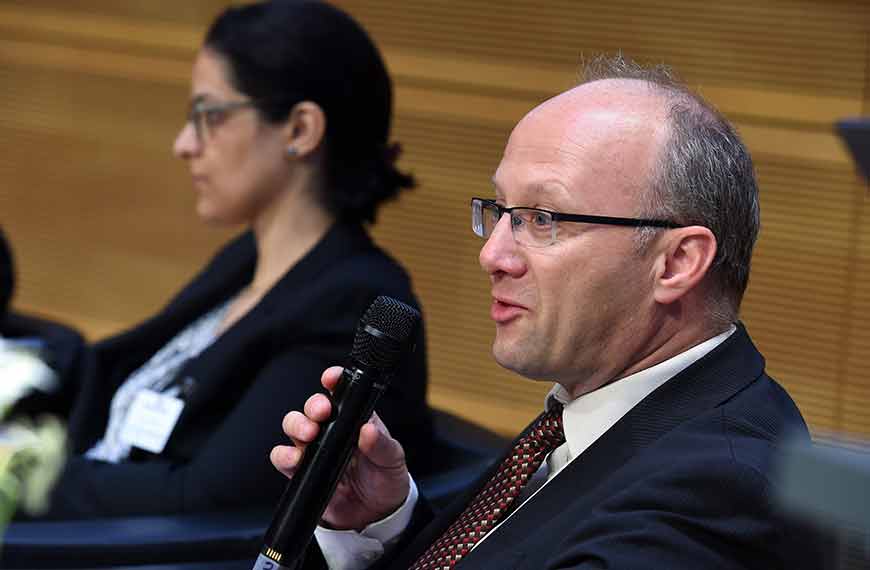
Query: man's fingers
{"type": "Point", "coordinates": [301, 429]}
{"type": "Point", "coordinates": [376, 420]}
{"type": "Point", "coordinates": [376, 444]}
{"type": "Point", "coordinates": [330, 377]}
{"type": "Point", "coordinates": [304, 427]}
{"type": "Point", "coordinates": [285, 458]}
{"type": "Point", "coordinates": [318, 408]}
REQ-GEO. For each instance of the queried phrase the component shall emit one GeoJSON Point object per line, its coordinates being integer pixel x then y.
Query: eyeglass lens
{"type": "Point", "coordinates": [529, 226]}
{"type": "Point", "coordinates": [206, 116]}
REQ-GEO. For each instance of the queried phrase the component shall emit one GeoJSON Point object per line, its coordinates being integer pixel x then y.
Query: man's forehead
{"type": "Point", "coordinates": [616, 101]}
{"type": "Point", "coordinates": [529, 190]}
{"type": "Point", "coordinates": [604, 132]}
{"type": "Point", "coordinates": [629, 95]}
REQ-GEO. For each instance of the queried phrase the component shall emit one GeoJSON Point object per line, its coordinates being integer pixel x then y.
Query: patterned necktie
{"type": "Point", "coordinates": [499, 495]}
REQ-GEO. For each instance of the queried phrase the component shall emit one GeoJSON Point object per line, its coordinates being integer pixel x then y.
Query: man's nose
{"type": "Point", "coordinates": [500, 253]}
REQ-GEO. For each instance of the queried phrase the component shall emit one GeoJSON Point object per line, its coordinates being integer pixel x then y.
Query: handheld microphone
{"type": "Point", "coordinates": [383, 335]}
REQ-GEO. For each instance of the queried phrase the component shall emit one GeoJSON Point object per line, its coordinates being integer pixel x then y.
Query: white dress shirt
{"type": "Point", "coordinates": [584, 419]}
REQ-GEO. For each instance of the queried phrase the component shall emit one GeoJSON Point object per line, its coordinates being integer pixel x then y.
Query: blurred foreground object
{"type": "Point", "coordinates": [827, 481]}
{"type": "Point", "coordinates": [856, 134]}
{"type": "Point", "coordinates": [31, 451]}
{"type": "Point", "coordinates": [827, 484]}
{"type": "Point", "coordinates": [22, 371]}
{"type": "Point", "coordinates": [31, 458]}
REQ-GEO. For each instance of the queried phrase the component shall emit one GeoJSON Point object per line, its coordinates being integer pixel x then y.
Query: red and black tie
{"type": "Point", "coordinates": [499, 495]}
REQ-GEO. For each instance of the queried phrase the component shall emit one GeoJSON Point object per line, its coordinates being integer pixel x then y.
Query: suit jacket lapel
{"type": "Point", "coordinates": [230, 271]}
{"type": "Point", "coordinates": [258, 325]}
{"type": "Point", "coordinates": [710, 381]}
{"type": "Point", "coordinates": [342, 240]}
{"type": "Point", "coordinates": [226, 274]}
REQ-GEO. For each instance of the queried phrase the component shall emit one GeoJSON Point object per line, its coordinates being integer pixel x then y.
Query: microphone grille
{"type": "Point", "coordinates": [384, 332]}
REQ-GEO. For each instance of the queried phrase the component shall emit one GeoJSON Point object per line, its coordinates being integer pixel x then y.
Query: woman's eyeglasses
{"type": "Point", "coordinates": [207, 115]}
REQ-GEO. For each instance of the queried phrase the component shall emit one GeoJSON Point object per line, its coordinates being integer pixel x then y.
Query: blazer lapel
{"type": "Point", "coordinates": [341, 241]}
{"type": "Point", "coordinates": [226, 274]}
{"type": "Point", "coordinates": [710, 381]}
{"type": "Point", "coordinates": [207, 371]}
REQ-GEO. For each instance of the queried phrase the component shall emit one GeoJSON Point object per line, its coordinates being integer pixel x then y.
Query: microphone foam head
{"type": "Point", "coordinates": [384, 332]}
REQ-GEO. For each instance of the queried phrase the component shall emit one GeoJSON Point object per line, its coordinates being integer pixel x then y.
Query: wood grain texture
{"type": "Point", "coordinates": [100, 213]}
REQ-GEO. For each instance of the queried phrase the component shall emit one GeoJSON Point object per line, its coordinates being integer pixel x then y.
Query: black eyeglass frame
{"type": "Point", "coordinates": [583, 218]}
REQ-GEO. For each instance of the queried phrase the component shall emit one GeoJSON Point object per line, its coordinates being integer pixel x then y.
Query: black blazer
{"type": "Point", "coordinates": [680, 482]}
{"type": "Point", "coordinates": [239, 388]}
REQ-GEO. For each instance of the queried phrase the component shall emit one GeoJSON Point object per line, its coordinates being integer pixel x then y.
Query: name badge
{"type": "Point", "coordinates": [150, 420]}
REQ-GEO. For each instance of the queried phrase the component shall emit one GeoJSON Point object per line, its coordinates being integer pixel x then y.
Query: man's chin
{"type": "Point", "coordinates": [516, 359]}
{"type": "Point", "coordinates": [505, 356]}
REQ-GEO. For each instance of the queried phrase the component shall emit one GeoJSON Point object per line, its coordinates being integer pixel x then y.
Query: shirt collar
{"type": "Point", "coordinates": [588, 417]}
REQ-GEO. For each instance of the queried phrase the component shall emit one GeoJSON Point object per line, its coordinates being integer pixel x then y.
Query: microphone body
{"type": "Point", "coordinates": [378, 346]}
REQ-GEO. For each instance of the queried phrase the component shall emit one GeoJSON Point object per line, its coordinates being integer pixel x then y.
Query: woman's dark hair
{"type": "Point", "coordinates": [286, 51]}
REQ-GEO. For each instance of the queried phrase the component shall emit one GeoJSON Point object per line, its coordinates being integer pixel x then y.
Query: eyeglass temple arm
{"type": "Point", "coordinates": [615, 221]}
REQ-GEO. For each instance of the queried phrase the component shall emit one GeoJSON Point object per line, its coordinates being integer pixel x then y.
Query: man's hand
{"type": "Point", "coordinates": [376, 481]}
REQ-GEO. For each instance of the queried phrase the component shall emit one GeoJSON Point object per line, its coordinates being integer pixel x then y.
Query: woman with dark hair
{"type": "Point", "coordinates": [287, 133]}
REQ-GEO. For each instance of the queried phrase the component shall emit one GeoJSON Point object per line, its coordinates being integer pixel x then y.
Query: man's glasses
{"type": "Point", "coordinates": [537, 228]}
{"type": "Point", "coordinates": [207, 116]}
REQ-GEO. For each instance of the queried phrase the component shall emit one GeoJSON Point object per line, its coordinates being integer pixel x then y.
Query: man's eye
{"type": "Point", "coordinates": [540, 219]}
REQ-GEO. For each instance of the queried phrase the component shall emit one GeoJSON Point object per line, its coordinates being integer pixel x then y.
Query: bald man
{"type": "Point", "coordinates": [618, 246]}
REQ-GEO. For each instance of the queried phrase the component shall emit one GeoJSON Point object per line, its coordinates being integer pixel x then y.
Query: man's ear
{"type": "Point", "coordinates": [305, 129]}
{"type": "Point", "coordinates": [684, 257]}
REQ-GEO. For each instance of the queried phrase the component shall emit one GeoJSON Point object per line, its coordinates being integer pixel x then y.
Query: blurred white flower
{"type": "Point", "coordinates": [32, 452]}
{"type": "Point", "coordinates": [22, 371]}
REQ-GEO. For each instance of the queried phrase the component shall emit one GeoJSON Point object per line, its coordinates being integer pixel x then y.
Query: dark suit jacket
{"type": "Point", "coordinates": [239, 388]}
{"type": "Point", "coordinates": [680, 482]}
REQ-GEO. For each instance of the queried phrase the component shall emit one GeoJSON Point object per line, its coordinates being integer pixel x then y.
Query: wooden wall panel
{"type": "Point", "coordinates": [853, 401]}
{"type": "Point", "coordinates": [100, 213]}
{"type": "Point", "coordinates": [90, 195]}
{"type": "Point", "coordinates": [811, 44]}
{"type": "Point", "coordinates": [798, 301]}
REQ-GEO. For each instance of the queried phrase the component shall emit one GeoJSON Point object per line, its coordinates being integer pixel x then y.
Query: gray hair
{"type": "Point", "coordinates": [703, 176]}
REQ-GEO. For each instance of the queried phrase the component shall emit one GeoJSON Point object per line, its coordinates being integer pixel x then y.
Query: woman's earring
{"type": "Point", "coordinates": [291, 151]}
